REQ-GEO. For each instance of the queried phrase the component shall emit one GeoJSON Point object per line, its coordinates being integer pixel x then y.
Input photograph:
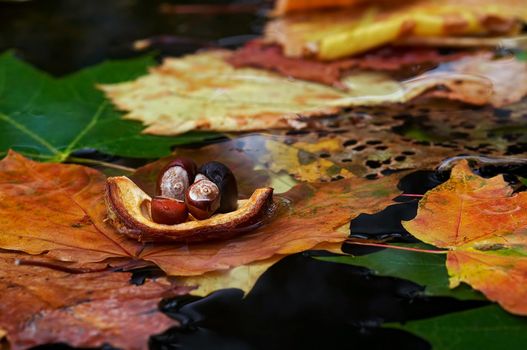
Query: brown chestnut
{"type": "Point", "coordinates": [223, 177]}
{"type": "Point", "coordinates": [168, 211]}
{"type": "Point", "coordinates": [175, 178]}
{"type": "Point", "coordinates": [203, 199]}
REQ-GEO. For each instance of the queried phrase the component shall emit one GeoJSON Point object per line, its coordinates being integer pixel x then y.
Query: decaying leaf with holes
{"type": "Point", "coordinates": [68, 219]}
{"type": "Point", "coordinates": [334, 34]}
{"type": "Point", "coordinates": [484, 225]}
{"type": "Point", "coordinates": [39, 306]}
{"type": "Point", "coordinates": [376, 141]}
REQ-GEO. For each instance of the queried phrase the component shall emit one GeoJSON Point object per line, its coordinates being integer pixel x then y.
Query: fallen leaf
{"type": "Point", "coordinates": [42, 306]}
{"type": "Point", "coordinates": [487, 327]}
{"type": "Point", "coordinates": [335, 34]}
{"type": "Point", "coordinates": [203, 92]}
{"type": "Point", "coordinates": [507, 80]}
{"type": "Point", "coordinates": [310, 214]}
{"type": "Point", "coordinates": [242, 277]}
{"type": "Point", "coordinates": [259, 54]}
{"type": "Point", "coordinates": [428, 270]}
{"type": "Point", "coordinates": [378, 140]}
{"type": "Point", "coordinates": [286, 6]}
{"type": "Point", "coordinates": [49, 118]}
{"type": "Point", "coordinates": [483, 224]}
{"type": "Point", "coordinates": [67, 219]}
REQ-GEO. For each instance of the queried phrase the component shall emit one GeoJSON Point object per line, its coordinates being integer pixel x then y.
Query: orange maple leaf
{"type": "Point", "coordinates": [58, 209]}
{"type": "Point", "coordinates": [484, 226]}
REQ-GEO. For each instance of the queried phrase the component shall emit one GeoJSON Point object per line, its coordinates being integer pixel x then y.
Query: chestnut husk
{"type": "Point", "coordinates": [125, 200]}
{"type": "Point", "coordinates": [223, 177]}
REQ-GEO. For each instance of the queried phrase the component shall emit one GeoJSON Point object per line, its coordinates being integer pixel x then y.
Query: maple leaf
{"type": "Point", "coordinates": [483, 224]}
{"type": "Point", "coordinates": [203, 92]}
{"type": "Point", "coordinates": [58, 209]}
{"type": "Point", "coordinates": [50, 118]}
{"type": "Point", "coordinates": [40, 306]}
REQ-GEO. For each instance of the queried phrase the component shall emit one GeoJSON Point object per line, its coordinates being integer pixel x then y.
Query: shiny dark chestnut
{"type": "Point", "coordinates": [223, 177]}
{"type": "Point", "coordinates": [203, 199]}
{"type": "Point", "coordinates": [175, 178]}
{"type": "Point", "coordinates": [168, 211]}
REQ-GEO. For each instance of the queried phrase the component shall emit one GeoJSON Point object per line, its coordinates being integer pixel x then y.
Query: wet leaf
{"type": "Point", "coordinates": [50, 118]}
{"type": "Point", "coordinates": [483, 224]}
{"type": "Point", "coordinates": [507, 80]}
{"type": "Point", "coordinates": [259, 54]}
{"type": "Point", "coordinates": [242, 277]}
{"type": "Point", "coordinates": [427, 270]}
{"type": "Point", "coordinates": [40, 306]}
{"type": "Point", "coordinates": [335, 34]}
{"type": "Point", "coordinates": [58, 209]}
{"type": "Point", "coordinates": [203, 92]}
{"type": "Point", "coordinates": [488, 327]}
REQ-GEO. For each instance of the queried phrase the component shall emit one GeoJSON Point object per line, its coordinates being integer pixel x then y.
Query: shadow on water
{"type": "Point", "coordinates": [303, 303]}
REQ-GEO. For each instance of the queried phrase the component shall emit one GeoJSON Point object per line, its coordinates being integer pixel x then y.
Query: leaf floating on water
{"type": "Point", "coordinates": [40, 306]}
{"type": "Point", "coordinates": [483, 224]}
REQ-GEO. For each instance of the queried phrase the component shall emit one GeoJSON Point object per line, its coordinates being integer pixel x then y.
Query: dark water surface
{"type": "Point", "coordinates": [300, 303]}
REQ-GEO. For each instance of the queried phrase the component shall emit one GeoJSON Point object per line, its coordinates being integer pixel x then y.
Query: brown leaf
{"type": "Point", "coordinates": [40, 306]}
{"type": "Point", "coordinates": [68, 219]}
{"type": "Point", "coordinates": [259, 54]}
{"type": "Point", "coordinates": [484, 225]}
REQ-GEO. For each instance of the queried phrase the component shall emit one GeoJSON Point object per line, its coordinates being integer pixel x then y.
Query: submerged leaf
{"type": "Point", "coordinates": [50, 118]}
{"type": "Point", "coordinates": [487, 327]}
{"type": "Point", "coordinates": [483, 224]}
{"type": "Point", "coordinates": [40, 306]}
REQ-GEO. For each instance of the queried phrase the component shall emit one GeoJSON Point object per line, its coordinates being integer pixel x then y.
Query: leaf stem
{"type": "Point", "coordinates": [100, 162]}
{"type": "Point", "coordinates": [371, 244]}
{"type": "Point", "coordinates": [411, 195]}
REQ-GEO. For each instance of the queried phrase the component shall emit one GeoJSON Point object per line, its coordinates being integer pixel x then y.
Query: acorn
{"type": "Point", "coordinates": [203, 199]}
{"type": "Point", "coordinates": [168, 211]}
{"type": "Point", "coordinates": [223, 177]}
{"type": "Point", "coordinates": [175, 178]}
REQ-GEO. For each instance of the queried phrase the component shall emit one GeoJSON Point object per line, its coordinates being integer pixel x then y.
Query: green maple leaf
{"type": "Point", "coordinates": [49, 118]}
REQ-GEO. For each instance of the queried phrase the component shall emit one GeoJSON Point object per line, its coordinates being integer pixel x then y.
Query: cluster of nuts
{"type": "Point", "coordinates": [182, 188]}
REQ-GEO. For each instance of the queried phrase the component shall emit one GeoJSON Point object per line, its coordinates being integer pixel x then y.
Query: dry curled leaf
{"type": "Point", "coordinates": [484, 226]}
{"type": "Point", "coordinates": [68, 219]}
{"type": "Point", "coordinates": [40, 306]}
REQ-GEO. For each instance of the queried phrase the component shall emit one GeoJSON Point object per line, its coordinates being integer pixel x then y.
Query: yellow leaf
{"type": "Point", "coordinates": [335, 34]}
